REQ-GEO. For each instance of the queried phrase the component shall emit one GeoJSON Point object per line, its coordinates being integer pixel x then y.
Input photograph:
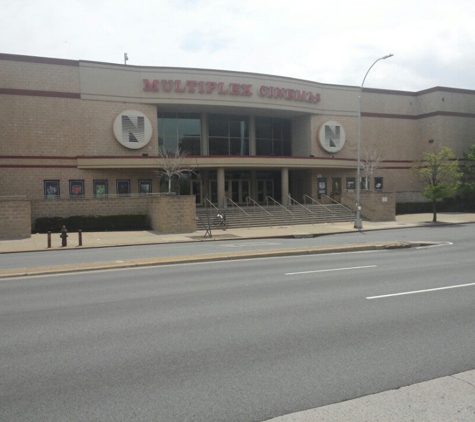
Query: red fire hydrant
{"type": "Point", "coordinates": [64, 236]}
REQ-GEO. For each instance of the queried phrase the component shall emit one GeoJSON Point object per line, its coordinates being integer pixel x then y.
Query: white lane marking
{"type": "Point", "coordinates": [421, 291]}
{"type": "Point", "coordinates": [242, 245]}
{"type": "Point", "coordinates": [331, 269]}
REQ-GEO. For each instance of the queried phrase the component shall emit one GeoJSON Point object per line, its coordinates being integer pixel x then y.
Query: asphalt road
{"type": "Point", "coordinates": [235, 340]}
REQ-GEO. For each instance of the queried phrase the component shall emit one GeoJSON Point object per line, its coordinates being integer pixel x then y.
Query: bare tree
{"type": "Point", "coordinates": [172, 164]}
{"type": "Point", "coordinates": [370, 162]}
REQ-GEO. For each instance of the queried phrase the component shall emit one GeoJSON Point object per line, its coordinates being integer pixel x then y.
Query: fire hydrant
{"type": "Point", "coordinates": [64, 236]}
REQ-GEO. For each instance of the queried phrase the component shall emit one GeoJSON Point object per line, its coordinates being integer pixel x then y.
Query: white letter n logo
{"type": "Point", "coordinates": [133, 129]}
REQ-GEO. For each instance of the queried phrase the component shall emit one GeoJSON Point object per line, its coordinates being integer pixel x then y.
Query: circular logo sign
{"type": "Point", "coordinates": [332, 136]}
{"type": "Point", "coordinates": [132, 129]}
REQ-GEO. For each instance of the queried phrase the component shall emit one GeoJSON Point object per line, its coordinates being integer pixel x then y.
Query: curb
{"type": "Point", "coordinates": [194, 259]}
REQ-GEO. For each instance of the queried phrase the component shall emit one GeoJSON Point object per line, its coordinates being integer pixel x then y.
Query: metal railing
{"type": "Point", "coordinates": [207, 201]}
{"type": "Point", "coordinates": [255, 204]}
{"type": "Point", "coordinates": [318, 203]}
{"type": "Point", "coordinates": [236, 206]}
{"type": "Point", "coordinates": [332, 201]}
{"type": "Point", "coordinates": [294, 201]}
{"type": "Point", "coordinates": [277, 203]}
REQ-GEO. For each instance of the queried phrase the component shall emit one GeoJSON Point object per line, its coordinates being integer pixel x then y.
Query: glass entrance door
{"type": "Point", "coordinates": [237, 190]}
{"type": "Point", "coordinates": [336, 188]}
{"type": "Point", "coordinates": [265, 188]}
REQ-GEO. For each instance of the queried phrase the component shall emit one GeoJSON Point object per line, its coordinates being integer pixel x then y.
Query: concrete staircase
{"type": "Point", "coordinates": [265, 216]}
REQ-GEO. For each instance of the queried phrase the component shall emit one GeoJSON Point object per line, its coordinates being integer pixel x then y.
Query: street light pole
{"type": "Point", "coordinates": [358, 222]}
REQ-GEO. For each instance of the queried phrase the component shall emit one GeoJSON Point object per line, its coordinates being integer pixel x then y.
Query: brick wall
{"type": "Point", "coordinates": [375, 206]}
{"type": "Point", "coordinates": [15, 220]}
{"type": "Point", "coordinates": [172, 214]}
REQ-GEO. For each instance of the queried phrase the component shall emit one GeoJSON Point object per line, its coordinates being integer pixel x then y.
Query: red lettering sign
{"type": "Point", "coordinates": [233, 88]}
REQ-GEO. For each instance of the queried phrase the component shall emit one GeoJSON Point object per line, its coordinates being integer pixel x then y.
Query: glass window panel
{"type": "Point", "coordinates": [218, 146]}
{"type": "Point", "coordinates": [189, 127]}
{"type": "Point", "coordinates": [263, 127]}
{"type": "Point", "coordinates": [264, 147]}
{"type": "Point", "coordinates": [175, 128]}
{"type": "Point", "coordinates": [239, 146]}
{"type": "Point", "coordinates": [378, 183]}
{"type": "Point", "coordinates": [238, 127]}
{"type": "Point", "coordinates": [277, 150]}
{"type": "Point", "coordinates": [169, 143]}
{"type": "Point", "coordinates": [190, 145]}
{"type": "Point", "coordinates": [286, 149]}
{"type": "Point", "coordinates": [277, 128]}
{"type": "Point", "coordinates": [168, 127]}
{"type": "Point", "coordinates": [286, 129]}
{"type": "Point", "coordinates": [350, 183]}
{"type": "Point", "coordinates": [218, 125]}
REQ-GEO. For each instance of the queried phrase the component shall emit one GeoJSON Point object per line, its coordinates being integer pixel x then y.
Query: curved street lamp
{"type": "Point", "coordinates": [358, 223]}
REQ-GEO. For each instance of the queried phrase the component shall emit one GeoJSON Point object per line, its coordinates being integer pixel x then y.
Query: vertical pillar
{"type": "Point", "coordinates": [204, 134]}
{"type": "Point", "coordinates": [284, 175]}
{"type": "Point", "coordinates": [221, 193]}
{"type": "Point", "coordinates": [253, 174]}
{"type": "Point", "coordinates": [252, 135]}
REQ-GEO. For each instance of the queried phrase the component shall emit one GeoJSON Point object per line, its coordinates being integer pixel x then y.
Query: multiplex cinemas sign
{"type": "Point", "coordinates": [233, 88]}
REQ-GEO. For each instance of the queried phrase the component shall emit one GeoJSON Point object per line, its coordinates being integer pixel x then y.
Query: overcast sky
{"type": "Point", "coordinates": [334, 42]}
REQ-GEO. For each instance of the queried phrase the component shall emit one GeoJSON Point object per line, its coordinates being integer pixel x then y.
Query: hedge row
{"type": "Point", "coordinates": [447, 205]}
{"type": "Point", "coordinates": [92, 223]}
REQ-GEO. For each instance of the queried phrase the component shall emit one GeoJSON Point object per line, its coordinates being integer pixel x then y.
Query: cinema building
{"type": "Point", "coordinates": [89, 130]}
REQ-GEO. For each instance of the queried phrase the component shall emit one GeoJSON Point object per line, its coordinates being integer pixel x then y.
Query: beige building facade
{"type": "Point", "coordinates": [81, 129]}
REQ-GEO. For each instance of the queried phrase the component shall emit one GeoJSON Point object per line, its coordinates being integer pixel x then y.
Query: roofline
{"type": "Point", "coordinates": [67, 62]}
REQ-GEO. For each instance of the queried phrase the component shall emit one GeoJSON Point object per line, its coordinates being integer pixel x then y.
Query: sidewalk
{"type": "Point", "coordinates": [446, 399]}
{"type": "Point", "coordinates": [39, 242]}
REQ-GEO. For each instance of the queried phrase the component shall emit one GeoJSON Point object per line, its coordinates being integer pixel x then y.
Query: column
{"type": "Point", "coordinates": [253, 174]}
{"type": "Point", "coordinates": [204, 134]}
{"type": "Point", "coordinates": [252, 135]}
{"type": "Point", "coordinates": [221, 193]}
{"type": "Point", "coordinates": [284, 175]}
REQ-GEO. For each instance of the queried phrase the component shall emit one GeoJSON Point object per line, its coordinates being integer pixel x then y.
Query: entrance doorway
{"type": "Point", "coordinates": [265, 188]}
{"type": "Point", "coordinates": [336, 189]}
{"type": "Point", "coordinates": [238, 190]}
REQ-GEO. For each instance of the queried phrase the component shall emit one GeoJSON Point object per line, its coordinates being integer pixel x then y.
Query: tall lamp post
{"type": "Point", "coordinates": [358, 223]}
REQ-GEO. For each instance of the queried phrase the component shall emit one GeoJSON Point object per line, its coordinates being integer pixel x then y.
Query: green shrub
{"type": "Point", "coordinates": [447, 205]}
{"type": "Point", "coordinates": [92, 223]}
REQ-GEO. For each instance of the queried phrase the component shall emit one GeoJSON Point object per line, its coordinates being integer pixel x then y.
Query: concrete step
{"type": "Point", "coordinates": [276, 216]}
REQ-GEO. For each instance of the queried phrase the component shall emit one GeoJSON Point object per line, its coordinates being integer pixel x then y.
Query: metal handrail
{"type": "Point", "coordinates": [277, 203]}
{"type": "Point", "coordinates": [311, 199]}
{"type": "Point", "coordinates": [331, 199]}
{"type": "Point", "coordinates": [236, 205]}
{"type": "Point", "coordinates": [206, 200]}
{"type": "Point", "coordinates": [319, 203]}
{"type": "Point", "coordinates": [255, 204]}
{"type": "Point", "coordinates": [294, 201]}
